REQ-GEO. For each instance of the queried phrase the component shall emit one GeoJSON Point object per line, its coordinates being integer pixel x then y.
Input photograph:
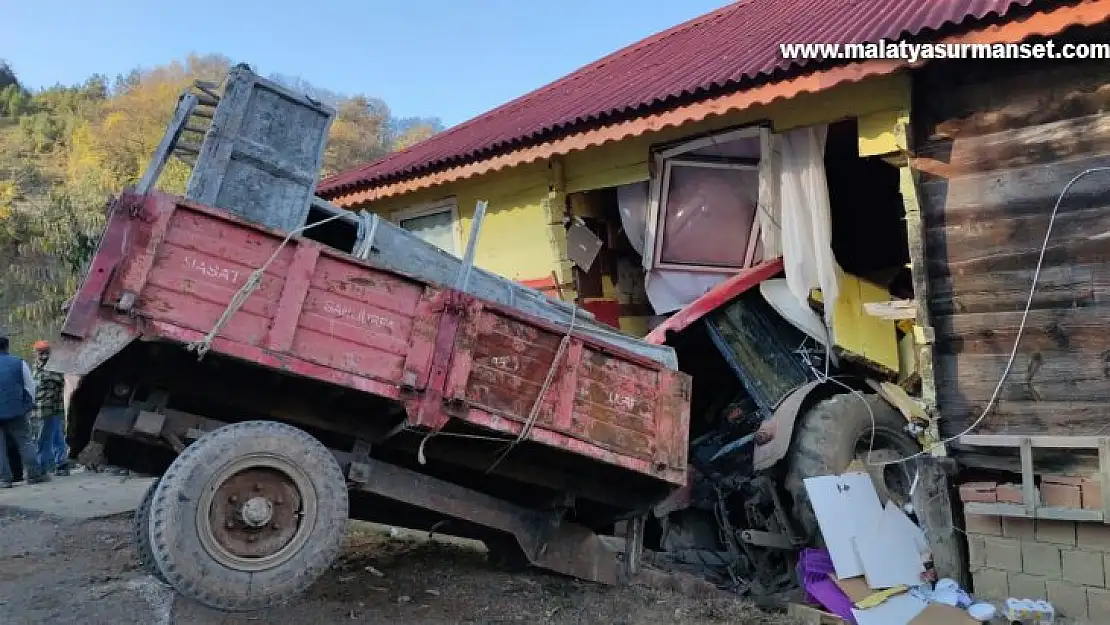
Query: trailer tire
{"type": "Point", "coordinates": [837, 431]}
{"type": "Point", "coordinates": [249, 516]}
{"type": "Point", "coordinates": [140, 535]}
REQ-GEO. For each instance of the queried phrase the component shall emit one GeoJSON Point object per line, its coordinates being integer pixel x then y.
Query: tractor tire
{"type": "Point", "coordinates": [249, 516]}
{"type": "Point", "coordinates": [140, 534]}
{"type": "Point", "coordinates": [837, 431]}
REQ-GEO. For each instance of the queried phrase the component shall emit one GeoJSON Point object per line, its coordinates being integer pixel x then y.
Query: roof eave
{"type": "Point", "coordinates": [1044, 23]}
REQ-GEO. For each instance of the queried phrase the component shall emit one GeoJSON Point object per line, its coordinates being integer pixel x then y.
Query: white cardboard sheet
{"type": "Point", "coordinates": [846, 506]}
{"type": "Point", "coordinates": [890, 555]}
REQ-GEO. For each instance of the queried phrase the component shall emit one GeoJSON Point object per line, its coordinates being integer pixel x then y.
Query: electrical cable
{"type": "Point", "coordinates": [1017, 339]}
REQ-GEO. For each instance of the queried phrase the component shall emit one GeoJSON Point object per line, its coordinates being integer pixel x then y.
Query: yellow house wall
{"type": "Point", "coordinates": [514, 240]}
{"type": "Point", "coordinates": [523, 238]}
{"type": "Point", "coordinates": [874, 101]}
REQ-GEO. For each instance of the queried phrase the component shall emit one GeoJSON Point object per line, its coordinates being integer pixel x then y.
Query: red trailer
{"type": "Point", "coordinates": [279, 385]}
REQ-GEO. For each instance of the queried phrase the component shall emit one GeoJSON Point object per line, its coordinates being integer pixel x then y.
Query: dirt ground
{"type": "Point", "coordinates": [55, 571]}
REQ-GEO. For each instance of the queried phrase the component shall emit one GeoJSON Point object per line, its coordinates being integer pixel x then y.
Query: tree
{"type": "Point", "coordinates": [358, 134]}
{"type": "Point", "coordinates": [76, 146]}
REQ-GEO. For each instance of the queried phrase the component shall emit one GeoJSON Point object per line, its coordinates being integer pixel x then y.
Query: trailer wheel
{"type": "Point", "coordinates": [837, 431]}
{"type": "Point", "coordinates": [140, 534]}
{"type": "Point", "coordinates": [249, 516]}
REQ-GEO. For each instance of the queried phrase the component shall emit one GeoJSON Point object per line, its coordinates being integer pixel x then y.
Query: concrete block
{"type": "Point", "coordinates": [1056, 532]}
{"type": "Point", "coordinates": [1025, 586]}
{"type": "Point", "coordinates": [1041, 559]}
{"type": "Point", "coordinates": [991, 584]}
{"type": "Point", "coordinates": [978, 491]}
{"type": "Point", "coordinates": [1068, 599]}
{"type": "Point", "coordinates": [985, 525]}
{"type": "Point", "coordinates": [1098, 605]}
{"type": "Point", "coordinates": [976, 552]}
{"type": "Point", "coordinates": [1093, 536]}
{"type": "Point", "coordinates": [1084, 567]}
{"type": "Point", "coordinates": [1003, 553]}
{"type": "Point", "coordinates": [1013, 527]}
{"type": "Point", "coordinates": [1061, 496]}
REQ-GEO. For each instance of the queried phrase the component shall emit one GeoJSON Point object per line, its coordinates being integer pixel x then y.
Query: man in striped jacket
{"type": "Point", "coordinates": [49, 413]}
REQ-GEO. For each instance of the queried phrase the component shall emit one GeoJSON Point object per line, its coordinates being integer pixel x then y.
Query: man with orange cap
{"type": "Point", "coordinates": [49, 413]}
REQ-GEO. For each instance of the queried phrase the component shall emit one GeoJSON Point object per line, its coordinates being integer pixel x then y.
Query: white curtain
{"type": "Point", "coordinates": [805, 217]}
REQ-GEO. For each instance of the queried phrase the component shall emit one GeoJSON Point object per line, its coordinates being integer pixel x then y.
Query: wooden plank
{"type": "Point", "coordinates": [1014, 192]}
{"type": "Point", "coordinates": [983, 96]}
{"type": "Point", "coordinates": [1020, 511]}
{"type": "Point", "coordinates": [1104, 477]}
{"type": "Point", "coordinates": [893, 310]}
{"type": "Point", "coordinates": [1030, 368]}
{"type": "Point", "coordinates": [1024, 234]}
{"type": "Point", "coordinates": [1073, 418]}
{"type": "Point", "coordinates": [1029, 145]}
{"type": "Point", "coordinates": [1028, 488]}
{"type": "Point", "coordinates": [1045, 329]}
{"type": "Point", "coordinates": [1031, 110]}
{"type": "Point", "coordinates": [915, 230]}
{"type": "Point", "coordinates": [1054, 442]}
{"type": "Point", "coordinates": [1067, 286]}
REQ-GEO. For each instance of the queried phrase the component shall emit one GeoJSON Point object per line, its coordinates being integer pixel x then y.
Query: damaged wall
{"type": "Point", "coordinates": [996, 143]}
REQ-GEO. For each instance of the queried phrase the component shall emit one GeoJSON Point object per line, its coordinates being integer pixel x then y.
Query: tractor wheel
{"type": "Point", "coordinates": [837, 431]}
{"type": "Point", "coordinates": [249, 516]}
{"type": "Point", "coordinates": [140, 534]}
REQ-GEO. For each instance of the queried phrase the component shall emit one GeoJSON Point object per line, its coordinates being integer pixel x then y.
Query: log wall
{"type": "Point", "coordinates": [1000, 141]}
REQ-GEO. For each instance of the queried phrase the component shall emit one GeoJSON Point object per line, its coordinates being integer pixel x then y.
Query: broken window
{"type": "Point", "coordinates": [704, 201]}
{"type": "Point", "coordinates": [433, 223]}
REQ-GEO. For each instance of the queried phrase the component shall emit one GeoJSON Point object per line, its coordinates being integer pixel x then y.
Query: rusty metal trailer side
{"type": "Point", "coordinates": [168, 269]}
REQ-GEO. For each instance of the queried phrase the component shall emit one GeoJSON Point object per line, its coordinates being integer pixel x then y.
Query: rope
{"type": "Point", "coordinates": [367, 228]}
{"type": "Point", "coordinates": [534, 414]}
{"type": "Point", "coordinates": [202, 346]}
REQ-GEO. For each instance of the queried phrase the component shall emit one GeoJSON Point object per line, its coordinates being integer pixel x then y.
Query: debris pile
{"type": "Point", "coordinates": [875, 568]}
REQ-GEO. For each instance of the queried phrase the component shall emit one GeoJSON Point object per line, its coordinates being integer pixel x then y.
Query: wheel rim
{"type": "Point", "coordinates": [256, 513]}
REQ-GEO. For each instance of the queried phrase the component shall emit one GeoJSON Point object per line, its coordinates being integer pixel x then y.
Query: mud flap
{"type": "Point", "coordinates": [80, 357]}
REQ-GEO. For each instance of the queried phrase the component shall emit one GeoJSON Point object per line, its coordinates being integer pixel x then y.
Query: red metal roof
{"type": "Point", "coordinates": [739, 42]}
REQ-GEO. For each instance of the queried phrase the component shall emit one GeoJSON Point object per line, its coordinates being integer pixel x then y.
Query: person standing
{"type": "Point", "coordinates": [50, 413]}
{"type": "Point", "coordinates": [17, 393]}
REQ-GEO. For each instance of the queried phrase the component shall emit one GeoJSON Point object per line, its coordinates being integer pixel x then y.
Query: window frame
{"type": "Point", "coordinates": [664, 160]}
{"type": "Point", "coordinates": [427, 209]}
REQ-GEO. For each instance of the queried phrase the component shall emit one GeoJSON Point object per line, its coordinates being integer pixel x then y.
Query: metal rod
{"type": "Point", "coordinates": [471, 245]}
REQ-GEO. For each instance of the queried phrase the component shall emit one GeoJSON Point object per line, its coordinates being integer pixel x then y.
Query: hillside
{"type": "Point", "coordinates": [66, 150]}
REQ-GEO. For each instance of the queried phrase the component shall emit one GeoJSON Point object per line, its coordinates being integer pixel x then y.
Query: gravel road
{"type": "Point", "coordinates": [55, 572]}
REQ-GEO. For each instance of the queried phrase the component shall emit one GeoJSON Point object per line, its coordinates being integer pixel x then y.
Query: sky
{"type": "Point", "coordinates": [427, 58]}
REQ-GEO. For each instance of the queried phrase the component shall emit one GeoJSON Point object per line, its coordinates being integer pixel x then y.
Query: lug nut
{"type": "Point", "coordinates": [257, 486]}
{"type": "Point", "coordinates": [276, 526]}
{"type": "Point", "coordinates": [233, 499]}
{"type": "Point", "coordinates": [252, 538]}
{"type": "Point", "coordinates": [231, 525]}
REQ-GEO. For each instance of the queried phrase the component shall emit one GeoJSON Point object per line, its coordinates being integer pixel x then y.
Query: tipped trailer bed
{"type": "Point", "coordinates": [279, 385]}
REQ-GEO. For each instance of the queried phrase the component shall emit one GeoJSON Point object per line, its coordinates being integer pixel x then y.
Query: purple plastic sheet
{"type": "Point", "coordinates": [814, 568]}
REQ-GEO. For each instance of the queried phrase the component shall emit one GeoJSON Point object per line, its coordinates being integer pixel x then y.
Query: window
{"type": "Point", "coordinates": [704, 203]}
{"type": "Point", "coordinates": [434, 223]}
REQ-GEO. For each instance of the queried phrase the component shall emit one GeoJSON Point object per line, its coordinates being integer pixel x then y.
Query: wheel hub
{"type": "Point", "coordinates": [254, 516]}
{"type": "Point", "coordinates": [257, 511]}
